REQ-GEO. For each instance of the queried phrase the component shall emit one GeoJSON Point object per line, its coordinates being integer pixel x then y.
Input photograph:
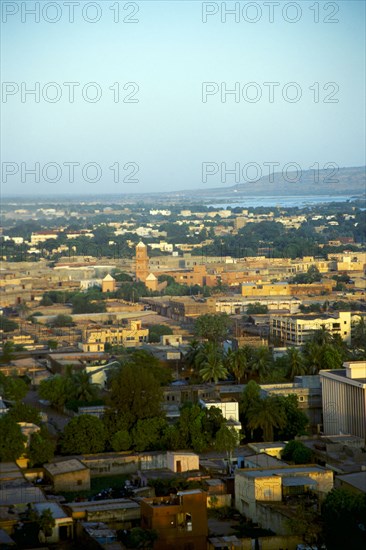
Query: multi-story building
{"type": "Point", "coordinates": [94, 339]}
{"type": "Point", "coordinates": [344, 399]}
{"type": "Point", "coordinates": [180, 520]}
{"type": "Point", "coordinates": [295, 330]}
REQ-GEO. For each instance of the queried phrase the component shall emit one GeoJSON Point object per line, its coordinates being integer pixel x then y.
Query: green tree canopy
{"type": "Point", "coordinates": [84, 434]}
{"type": "Point", "coordinates": [266, 414]}
{"type": "Point", "coordinates": [238, 363]}
{"type": "Point", "coordinates": [12, 440]}
{"type": "Point", "coordinates": [250, 397]}
{"type": "Point", "coordinates": [359, 334]}
{"type": "Point", "coordinates": [121, 441]}
{"type": "Point", "coordinates": [296, 420]}
{"type": "Point", "coordinates": [297, 452]}
{"type": "Point", "coordinates": [7, 353]}
{"type": "Point", "coordinates": [145, 359]}
{"type": "Point", "coordinates": [211, 361]}
{"type": "Point", "coordinates": [213, 326]}
{"type": "Point", "coordinates": [156, 331]}
{"type": "Point", "coordinates": [41, 449]}
{"type": "Point", "coordinates": [148, 433]}
{"type": "Point", "coordinates": [7, 325]}
{"type": "Point", "coordinates": [14, 387]}
{"type": "Point", "coordinates": [295, 363]}
{"type": "Point", "coordinates": [22, 412]}
{"type": "Point", "coordinates": [62, 320]}
{"type": "Point", "coordinates": [311, 276]}
{"type": "Point", "coordinates": [261, 361]}
{"type": "Point", "coordinates": [344, 518]}
{"type": "Point", "coordinates": [256, 308]}
{"type": "Point", "coordinates": [135, 394]}
{"type": "Point", "coordinates": [195, 429]}
{"type": "Point", "coordinates": [227, 439]}
{"type": "Point", "coordinates": [57, 390]}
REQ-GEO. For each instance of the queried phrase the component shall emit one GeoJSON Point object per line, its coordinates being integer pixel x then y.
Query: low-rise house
{"type": "Point", "coordinates": [63, 528]}
{"type": "Point", "coordinates": [68, 475]}
{"type": "Point", "coordinates": [261, 460]}
{"type": "Point", "coordinates": [115, 511]}
{"type": "Point", "coordinates": [182, 461]}
{"type": "Point", "coordinates": [354, 482]}
{"type": "Point", "coordinates": [15, 490]}
{"type": "Point", "coordinates": [272, 449]}
{"type": "Point", "coordinates": [274, 485]}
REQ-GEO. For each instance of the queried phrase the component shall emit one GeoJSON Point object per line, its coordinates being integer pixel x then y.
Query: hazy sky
{"type": "Point", "coordinates": [168, 132]}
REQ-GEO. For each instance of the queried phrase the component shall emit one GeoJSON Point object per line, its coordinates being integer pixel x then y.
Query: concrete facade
{"type": "Point", "coordinates": [68, 475]}
{"type": "Point", "coordinates": [270, 485]}
{"type": "Point", "coordinates": [182, 461]}
{"type": "Point", "coordinates": [295, 331]}
{"type": "Point", "coordinates": [344, 399]}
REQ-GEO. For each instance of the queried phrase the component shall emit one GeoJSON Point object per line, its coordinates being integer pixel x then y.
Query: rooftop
{"type": "Point", "coordinates": [64, 466]}
{"type": "Point", "coordinates": [342, 374]}
{"type": "Point", "coordinates": [284, 471]}
{"type": "Point", "coordinates": [357, 480]}
{"type": "Point", "coordinates": [56, 510]}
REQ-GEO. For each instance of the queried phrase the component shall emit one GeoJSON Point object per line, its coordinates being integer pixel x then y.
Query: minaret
{"type": "Point", "coordinates": [142, 262]}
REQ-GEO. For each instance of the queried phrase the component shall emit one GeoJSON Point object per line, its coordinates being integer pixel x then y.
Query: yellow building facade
{"type": "Point", "coordinates": [94, 339]}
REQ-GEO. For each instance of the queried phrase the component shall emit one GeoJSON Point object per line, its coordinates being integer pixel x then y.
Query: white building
{"type": "Point", "coordinates": [229, 409]}
{"type": "Point", "coordinates": [344, 399]}
{"type": "Point", "coordinates": [295, 331]}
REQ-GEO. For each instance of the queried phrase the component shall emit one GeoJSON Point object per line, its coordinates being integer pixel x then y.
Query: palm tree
{"type": "Point", "coordinates": [237, 363]}
{"type": "Point", "coordinates": [295, 363]}
{"type": "Point", "coordinates": [211, 363]}
{"type": "Point", "coordinates": [192, 354]}
{"type": "Point", "coordinates": [359, 334]}
{"type": "Point", "coordinates": [84, 390]}
{"type": "Point", "coordinates": [261, 361]}
{"type": "Point", "coordinates": [313, 357]}
{"type": "Point", "coordinates": [266, 414]}
{"type": "Point", "coordinates": [322, 336]}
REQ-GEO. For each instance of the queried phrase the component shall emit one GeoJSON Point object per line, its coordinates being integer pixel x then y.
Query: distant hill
{"type": "Point", "coordinates": [344, 181]}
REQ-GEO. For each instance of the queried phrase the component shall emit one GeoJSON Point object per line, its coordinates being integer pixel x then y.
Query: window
{"type": "Point", "coordinates": [79, 482]}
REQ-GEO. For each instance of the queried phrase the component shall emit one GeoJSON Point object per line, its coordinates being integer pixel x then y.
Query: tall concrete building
{"type": "Point", "coordinates": [344, 399]}
{"type": "Point", "coordinates": [142, 262]}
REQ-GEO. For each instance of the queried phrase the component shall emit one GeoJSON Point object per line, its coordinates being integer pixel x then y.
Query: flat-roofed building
{"type": "Point", "coordinates": [94, 339]}
{"type": "Point", "coordinates": [354, 482]}
{"type": "Point", "coordinates": [68, 475]}
{"type": "Point", "coordinates": [182, 461]}
{"type": "Point", "coordinates": [270, 485]}
{"type": "Point", "coordinates": [344, 399]}
{"type": "Point", "coordinates": [63, 528]}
